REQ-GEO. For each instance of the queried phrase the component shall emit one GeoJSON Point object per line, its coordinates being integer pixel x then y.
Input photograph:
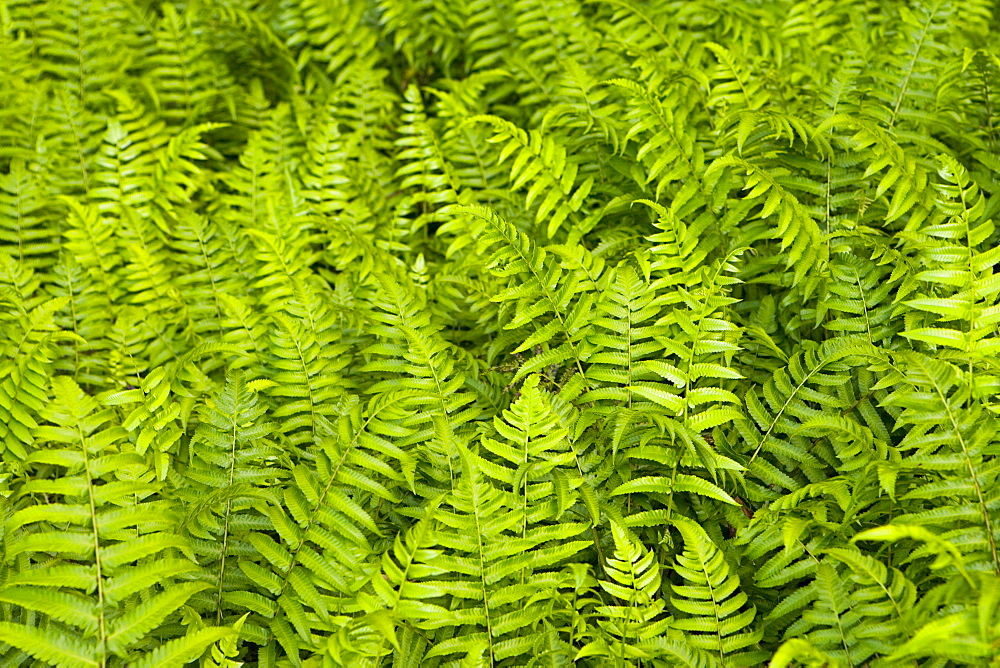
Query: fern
{"type": "Point", "coordinates": [541, 165]}
{"type": "Point", "coordinates": [234, 463]}
{"type": "Point", "coordinates": [499, 333]}
{"type": "Point", "coordinates": [634, 579]}
{"type": "Point", "coordinates": [88, 553]}
{"type": "Point", "coordinates": [490, 560]}
{"type": "Point", "coordinates": [711, 601]}
{"type": "Point", "coordinates": [27, 346]}
{"type": "Point", "coordinates": [183, 83]}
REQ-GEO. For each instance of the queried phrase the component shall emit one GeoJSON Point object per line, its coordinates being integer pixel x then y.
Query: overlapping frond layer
{"type": "Point", "coordinates": [440, 333]}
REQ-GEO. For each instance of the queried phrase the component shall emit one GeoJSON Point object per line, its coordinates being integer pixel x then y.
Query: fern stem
{"type": "Point", "coordinates": [98, 565]}
{"type": "Point", "coordinates": [482, 579]}
{"type": "Point", "coordinates": [991, 539]}
{"type": "Point", "coordinates": [912, 65]}
{"type": "Point", "coordinates": [225, 524]}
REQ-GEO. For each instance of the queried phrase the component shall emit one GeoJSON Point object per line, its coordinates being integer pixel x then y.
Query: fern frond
{"type": "Point", "coordinates": [113, 526]}
{"type": "Point", "coordinates": [715, 613]}
{"type": "Point", "coordinates": [542, 166]}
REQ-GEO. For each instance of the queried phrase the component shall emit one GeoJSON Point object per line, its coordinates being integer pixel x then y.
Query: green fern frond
{"type": "Point", "coordinates": [99, 517]}
{"type": "Point", "coordinates": [716, 616]}
{"type": "Point", "coordinates": [550, 176]}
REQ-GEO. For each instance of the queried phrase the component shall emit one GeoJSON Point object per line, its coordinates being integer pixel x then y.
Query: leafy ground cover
{"type": "Point", "coordinates": [499, 333]}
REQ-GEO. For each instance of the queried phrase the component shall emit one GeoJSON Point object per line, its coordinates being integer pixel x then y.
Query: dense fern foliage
{"type": "Point", "coordinates": [455, 333]}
